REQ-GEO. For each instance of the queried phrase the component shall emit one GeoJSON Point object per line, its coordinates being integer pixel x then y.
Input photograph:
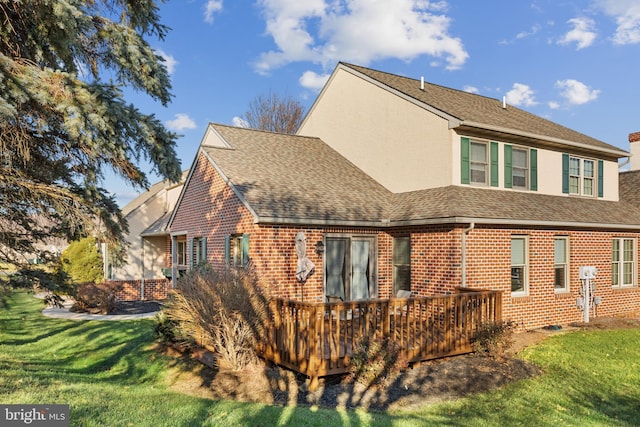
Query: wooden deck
{"type": "Point", "coordinates": [317, 339]}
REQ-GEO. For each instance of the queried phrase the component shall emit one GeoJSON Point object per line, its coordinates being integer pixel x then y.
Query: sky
{"type": "Point", "coordinates": [575, 62]}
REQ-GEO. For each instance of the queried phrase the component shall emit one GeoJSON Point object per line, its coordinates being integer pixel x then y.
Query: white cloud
{"type": "Point", "coordinates": [554, 105]}
{"type": "Point", "coordinates": [575, 92]}
{"type": "Point", "coordinates": [169, 61]}
{"type": "Point", "coordinates": [524, 34]}
{"type": "Point", "coordinates": [471, 89]}
{"type": "Point", "coordinates": [627, 16]}
{"type": "Point", "coordinates": [314, 81]}
{"type": "Point", "coordinates": [181, 122]}
{"type": "Point", "coordinates": [360, 31]}
{"type": "Point", "coordinates": [583, 33]}
{"type": "Point", "coordinates": [239, 122]}
{"type": "Point", "coordinates": [212, 7]}
{"type": "Point", "coordinates": [521, 94]}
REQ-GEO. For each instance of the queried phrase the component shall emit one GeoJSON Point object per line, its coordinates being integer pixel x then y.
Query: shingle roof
{"type": "Point", "coordinates": [469, 107]}
{"type": "Point", "coordinates": [288, 178]}
{"type": "Point", "coordinates": [496, 206]}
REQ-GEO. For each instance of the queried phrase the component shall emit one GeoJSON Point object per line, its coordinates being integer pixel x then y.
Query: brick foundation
{"type": "Point", "coordinates": [132, 290]}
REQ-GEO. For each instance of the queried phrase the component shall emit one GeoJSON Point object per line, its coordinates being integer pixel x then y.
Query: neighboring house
{"type": "Point", "coordinates": [148, 241]}
{"type": "Point", "coordinates": [403, 185]}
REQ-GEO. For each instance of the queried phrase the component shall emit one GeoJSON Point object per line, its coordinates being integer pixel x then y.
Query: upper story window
{"type": "Point", "coordinates": [582, 177]}
{"type": "Point", "coordinates": [479, 166]}
{"type": "Point", "coordinates": [479, 162]}
{"type": "Point", "coordinates": [520, 168]}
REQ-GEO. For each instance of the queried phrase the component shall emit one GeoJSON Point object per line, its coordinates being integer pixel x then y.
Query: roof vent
{"type": "Point", "coordinates": [504, 102]}
{"type": "Point", "coordinates": [422, 83]}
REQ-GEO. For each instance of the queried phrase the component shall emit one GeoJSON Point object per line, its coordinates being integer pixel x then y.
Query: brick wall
{"type": "Point", "coordinates": [209, 208]}
{"type": "Point", "coordinates": [131, 290]}
{"type": "Point", "coordinates": [488, 266]}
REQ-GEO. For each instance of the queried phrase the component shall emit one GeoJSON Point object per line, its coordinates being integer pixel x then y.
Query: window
{"type": "Point", "coordinates": [520, 168]}
{"type": "Point", "coordinates": [181, 251]}
{"type": "Point", "coordinates": [478, 162]}
{"type": "Point", "coordinates": [561, 264]}
{"type": "Point", "coordinates": [623, 265]}
{"type": "Point", "coordinates": [236, 250]}
{"type": "Point", "coordinates": [582, 177]}
{"type": "Point", "coordinates": [199, 250]}
{"type": "Point", "coordinates": [350, 267]}
{"type": "Point", "coordinates": [401, 264]}
{"type": "Point", "coordinates": [519, 267]}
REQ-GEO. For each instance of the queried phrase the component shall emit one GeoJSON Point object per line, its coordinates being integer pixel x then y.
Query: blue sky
{"type": "Point", "coordinates": [574, 62]}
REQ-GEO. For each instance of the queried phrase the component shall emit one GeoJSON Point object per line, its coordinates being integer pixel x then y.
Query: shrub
{"type": "Point", "coordinates": [95, 297]}
{"type": "Point", "coordinates": [375, 360]}
{"type": "Point", "coordinates": [82, 261]}
{"type": "Point", "coordinates": [226, 312]}
{"type": "Point", "coordinates": [493, 338]}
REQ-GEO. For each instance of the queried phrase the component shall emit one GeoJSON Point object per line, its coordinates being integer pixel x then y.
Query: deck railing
{"type": "Point", "coordinates": [318, 339]}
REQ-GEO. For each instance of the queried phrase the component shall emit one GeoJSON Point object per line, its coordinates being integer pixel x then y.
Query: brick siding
{"type": "Point", "coordinates": [209, 208]}
{"type": "Point", "coordinates": [131, 290]}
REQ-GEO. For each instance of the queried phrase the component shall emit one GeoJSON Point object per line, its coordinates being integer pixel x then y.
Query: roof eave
{"type": "Point", "coordinates": [545, 140]}
{"type": "Point", "coordinates": [385, 223]}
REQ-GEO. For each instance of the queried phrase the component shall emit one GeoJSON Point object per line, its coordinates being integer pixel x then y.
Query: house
{"type": "Point", "coordinates": [396, 184]}
{"type": "Point", "coordinates": [144, 272]}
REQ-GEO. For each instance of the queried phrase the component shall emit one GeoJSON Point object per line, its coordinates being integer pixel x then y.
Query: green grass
{"type": "Point", "coordinates": [109, 375]}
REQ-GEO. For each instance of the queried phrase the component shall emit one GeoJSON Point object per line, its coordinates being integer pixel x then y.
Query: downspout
{"type": "Point", "coordinates": [464, 252]}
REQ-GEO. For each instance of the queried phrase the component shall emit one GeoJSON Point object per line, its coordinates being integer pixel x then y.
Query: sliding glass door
{"type": "Point", "coordinates": [350, 267]}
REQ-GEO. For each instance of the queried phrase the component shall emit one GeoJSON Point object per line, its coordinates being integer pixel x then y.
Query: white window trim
{"type": "Point", "coordinates": [487, 168]}
{"type": "Point", "coordinates": [566, 264]}
{"type": "Point", "coordinates": [582, 177]}
{"type": "Point", "coordinates": [525, 291]}
{"type": "Point", "coordinates": [527, 168]}
{"type": "Point", "coordinates": [634, 279]}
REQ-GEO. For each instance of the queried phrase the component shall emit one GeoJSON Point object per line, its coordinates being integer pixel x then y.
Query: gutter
{"type": "Point", "coordinates": [444, 220]}
{"type": "Point", "coordinates": [463, 261]}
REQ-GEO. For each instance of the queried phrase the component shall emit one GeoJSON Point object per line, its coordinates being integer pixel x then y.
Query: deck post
{"type": "Point", "coordinates": [314, 362]}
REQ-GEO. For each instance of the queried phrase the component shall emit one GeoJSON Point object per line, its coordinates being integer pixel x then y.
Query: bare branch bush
{"type": "Point", "coordinates": [226, 312]}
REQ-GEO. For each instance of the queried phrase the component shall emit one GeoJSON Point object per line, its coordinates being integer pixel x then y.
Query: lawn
{"type": "Point", "coordinates": [110, 375]}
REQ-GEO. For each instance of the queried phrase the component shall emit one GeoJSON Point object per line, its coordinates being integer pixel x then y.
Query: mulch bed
{"type": "Point", "coordinates": [137, 307]}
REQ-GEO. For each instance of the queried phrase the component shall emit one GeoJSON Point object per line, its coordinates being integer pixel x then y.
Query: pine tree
{"type": "Point", "coordinates": [64, 121]}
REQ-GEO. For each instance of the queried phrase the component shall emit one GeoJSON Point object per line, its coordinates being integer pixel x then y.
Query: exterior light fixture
{"type": "Point", "coordinates": [319, 247]}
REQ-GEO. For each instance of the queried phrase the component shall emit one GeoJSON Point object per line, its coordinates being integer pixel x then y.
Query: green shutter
{"type": "Point", "coordinates": [245, 249]}
{"type": "Point", "coordinates": [508, 163]}
{"type": "Point", "coordinates": [494, 165]}
{"type": "Point", "coordinates": [191, 253]}
{"type": "Point", "coordinates": [533, 169]}
{"type": "Point", "coordinates": [600, 178]}
{"type": "Point", "coordinates": [227, 249]}
{"type": "Point", "coordinates": [565, 173]}
{"type": "Point", "coordinates": [464, 163]}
